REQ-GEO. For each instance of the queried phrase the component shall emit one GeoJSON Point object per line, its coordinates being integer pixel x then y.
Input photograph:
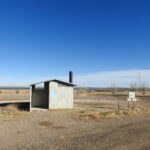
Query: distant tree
{"type": "Point", "coordinates": [113, 88]}
{"type": "Point", "coordinates": [139, 80]}
{"type": "Point", "coordinates": [144, 88]}
{"type": "Point", "coordinates": [134, 87]}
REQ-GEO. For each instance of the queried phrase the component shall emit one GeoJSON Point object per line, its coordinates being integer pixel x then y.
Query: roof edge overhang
{"type": "Point", "coordinates": [54, 80]}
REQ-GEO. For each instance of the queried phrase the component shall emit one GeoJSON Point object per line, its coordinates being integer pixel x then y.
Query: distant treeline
{"type": "Point", "coordinates": [14, 88]}
{"type": "Point", "coordinates": [101, 88]}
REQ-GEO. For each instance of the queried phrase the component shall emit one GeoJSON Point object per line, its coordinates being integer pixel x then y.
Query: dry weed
{"type": "Point", "coordinates": [12, 108]}
{"type": "Point", "coordinates": [10, 115]}
{"type": "Point", "coordinates": [14, 91]}
{"type": "Point", "coordinates": [62, 109]}
{"type": "Point", "coordinates": [11, 111]}
{"type": "Point", "coordinates": [46, 123]}
{"type": "Point", "coordinates": [58, 127]}
{"type": "Point", "coordinates": [90, 115]}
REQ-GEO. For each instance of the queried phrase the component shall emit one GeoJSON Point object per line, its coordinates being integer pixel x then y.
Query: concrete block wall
{"type": "Point", "coordinates": [60, 96]}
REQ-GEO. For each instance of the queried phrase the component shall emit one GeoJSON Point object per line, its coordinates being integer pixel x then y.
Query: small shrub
{"type": "Point", "coordinates": [17, 92]}
{"type": "Point", "coordinates": [12, 107]}
{"type": "Point", "coordinates": [89, 115]}
{"type": "Point", "coordinates": [46, 123]}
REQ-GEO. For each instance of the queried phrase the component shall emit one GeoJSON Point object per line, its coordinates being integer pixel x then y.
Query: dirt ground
{"type": "Point", "coordinates": [80, 128]}
{"type": "Point", "coordinates": [102, 101]}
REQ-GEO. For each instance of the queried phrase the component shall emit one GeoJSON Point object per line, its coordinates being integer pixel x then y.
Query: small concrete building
{"type": "Point", "coordinates": [55, 94]}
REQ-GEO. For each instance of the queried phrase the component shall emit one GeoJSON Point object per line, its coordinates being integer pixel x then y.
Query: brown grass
{"type": "Point", "coordinates": [10, 115]}
{"type": "Point", "coordinates": [46, 123]}
{"type": "Point", "coordinates": [58, 127]}
{"type": "Point", "coordinates": [12, 111]}
{"type": "Point", "coordinates": [90, 115]}
{"type": "Point", "coordinates": [62, 109]}
{"type": "Point", "coordinates": [12, 107]}
{"type": "Point", "coordinates": [14, 91]}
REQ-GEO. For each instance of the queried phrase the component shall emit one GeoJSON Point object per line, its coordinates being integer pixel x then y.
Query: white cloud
{"type": "Point", "coordinates": [120, 78]}
{"type": "Point", "coordinates": [100, 79]}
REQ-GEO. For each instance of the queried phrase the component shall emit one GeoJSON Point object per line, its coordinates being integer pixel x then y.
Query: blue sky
{"type": "Point", "coordinates": [41, 39]}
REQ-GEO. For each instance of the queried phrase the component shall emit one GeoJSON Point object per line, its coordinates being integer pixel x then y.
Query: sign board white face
{"type": "Point", "coordinates": [131, 95]}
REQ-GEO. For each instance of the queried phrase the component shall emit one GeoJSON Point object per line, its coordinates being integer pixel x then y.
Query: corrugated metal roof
{"type": "Point", "coordinates": [55, 80]}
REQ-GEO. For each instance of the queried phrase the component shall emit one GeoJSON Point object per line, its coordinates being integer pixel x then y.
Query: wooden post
{"type": "Point", "coordinates": [133, 104]}
{"type": "Point", "coordinates": [118, 105]}
{"type": "Point", "coordinates": [128, 104]}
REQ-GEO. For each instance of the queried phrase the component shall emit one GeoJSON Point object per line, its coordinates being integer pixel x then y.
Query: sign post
{"type": "Point", "coordinates": [118, 105]}
{"type": "Point", "coordinates": [132, 99]}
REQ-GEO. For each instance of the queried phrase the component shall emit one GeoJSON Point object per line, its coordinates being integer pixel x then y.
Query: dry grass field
{"type": "Point", "coordinates": [14, 94]}
{"type": "Point", "coordinates": [95, 123]}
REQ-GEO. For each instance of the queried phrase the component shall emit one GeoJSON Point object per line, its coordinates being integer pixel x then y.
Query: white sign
{"type": "Point", "coordinates": [131, 96]}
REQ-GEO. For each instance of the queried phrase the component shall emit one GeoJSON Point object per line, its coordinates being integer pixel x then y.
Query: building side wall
{"type": "Point", "coordinates": [61, 96]}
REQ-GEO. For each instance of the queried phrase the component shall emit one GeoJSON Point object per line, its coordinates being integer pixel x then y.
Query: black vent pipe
{"type": "Point", "coordinates": [70, 76]}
